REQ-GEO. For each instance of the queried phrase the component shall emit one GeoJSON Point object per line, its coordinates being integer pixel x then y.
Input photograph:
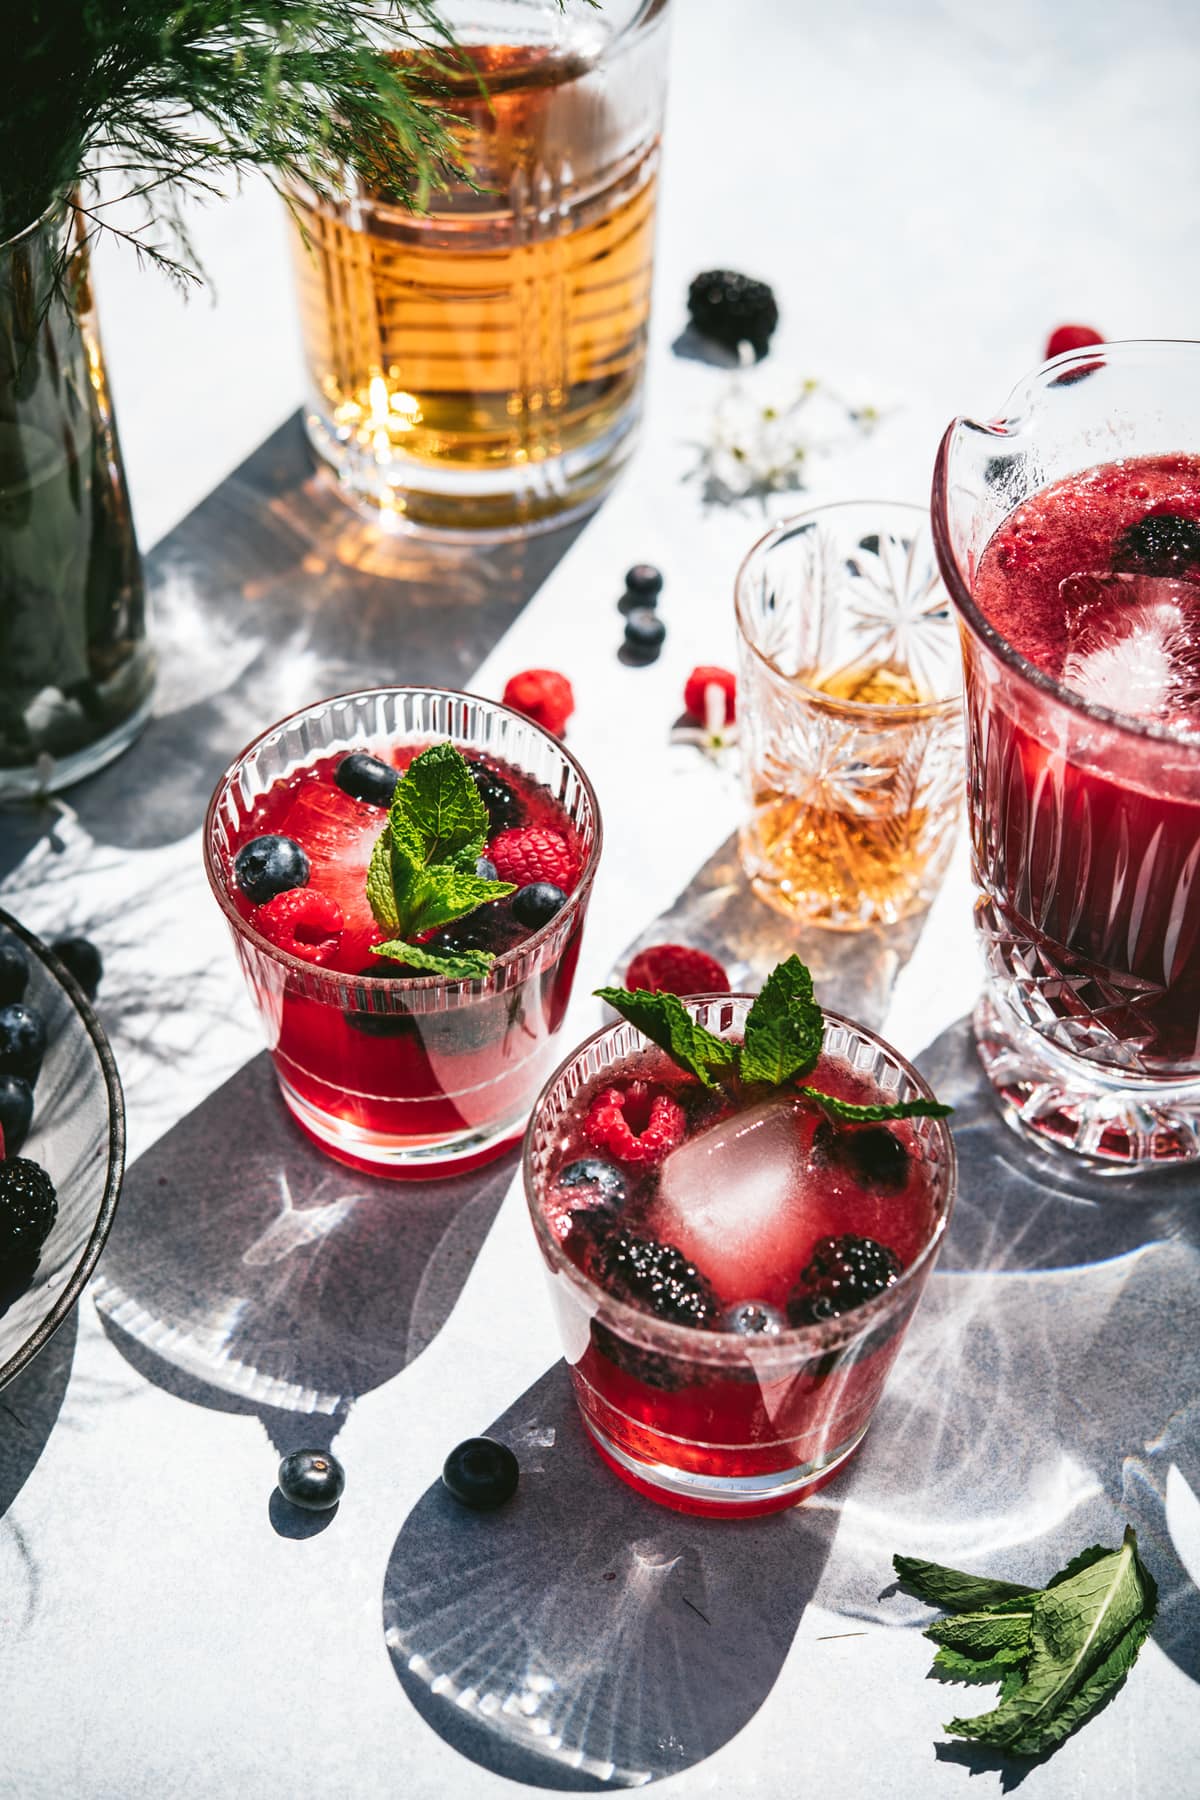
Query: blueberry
{"type": "Point", "coordinates": [481, 1473]}
{"type": "Point", "coordinates": [312, 1479]}
{"type": "Point", "coordinates": [16, 1112]}
{"type": "Point", "coordinates": [80, 957]}
{"type": "Point", "coordinates": [14, 972]}
{"type": "Point", "coordinates": [646, 582]}
{"type": "Point", "coordinates": [486, 870]}
{"type": "Point", "coordinates": [366, 778]}
{"type": "Point", "coordinates": [870, 1154]}
{"type": "Point", "coordinates": [644, 634]}
{"type": "Point", "coordinates": [270, 865]}
{"type": "Point", "coordinates": [22, 1041]}
{"type": "Point", "coordinates": [753, 1318]}
{"type": "Point", "coordinates": [591, 1172]}
{"type": "Point", "coordinates": [537, 904]}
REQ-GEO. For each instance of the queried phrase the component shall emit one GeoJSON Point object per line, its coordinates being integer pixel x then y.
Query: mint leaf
{"type": "Point", "coordinates": [1002, 1637]}
{"type": "Point", "coordinates": [381, 883]}
{"type": "Point", "coordinates": [1099, 1686]}
{"type": "Point", "coordinates": [957, 1665]}
{"type": "Point", "coordinates": [453, 965]}
{"type": "Point", "coordinates": [784, 1028]}
{"type": "Point", "coordinates": [436, 814]}
{"type": "Point", "coordinates": [951, 1588]}
{"type": "Point", "coordinates": [892, 1109]}
{"type": "Point", "coordinates": [665, 1020]}
{"type": "Point", "coordinates": [435, 896]}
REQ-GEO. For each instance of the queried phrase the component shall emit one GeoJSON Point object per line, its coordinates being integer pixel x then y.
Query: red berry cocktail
{"type": "Point", "coordinates": [406, 873]}
{"type": "Point", "coordinates": [734, 1260]}
{"type": "Point", "coordinates": [1069, 537]}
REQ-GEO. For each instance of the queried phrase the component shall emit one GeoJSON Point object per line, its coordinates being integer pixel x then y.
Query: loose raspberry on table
{"type": "Point", "coordinates": [636, 1124]}
{"type": "Point", "coordinates": [1070, 337]}
{"type": "Point", "coordinates": [534, 853]}
{"type": "Point", "coordinates": [696, 690]}
{"type": "Point", "coordinates": [676, 969]}
{"type": "Point", "coordinates": [304, 923]}
{"type": "Point", "coordinates": [542, 695]}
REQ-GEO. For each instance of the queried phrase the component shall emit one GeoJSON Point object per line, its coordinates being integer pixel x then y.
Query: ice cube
{"type": "Point", "coordinates": [732, 1199]}
{"type": "Point", "coordinates": [1133, 645]}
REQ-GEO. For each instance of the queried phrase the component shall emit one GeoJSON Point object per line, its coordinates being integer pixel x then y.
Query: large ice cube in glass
{"type": "Point", "coordinates": [1133, 645]}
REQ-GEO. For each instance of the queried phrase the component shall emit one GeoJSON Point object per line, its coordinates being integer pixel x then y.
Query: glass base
{"type": "Point", "coordinates": [475, 506]}
{"type": "Point", "coordinates": [722, 1496]}
{"type": "Point", "coordinates": [1118, 1125]}
{"type": "Point", "coordinates": [52, 774]}
{"type": "Point", "coordinates": [401, 1159]}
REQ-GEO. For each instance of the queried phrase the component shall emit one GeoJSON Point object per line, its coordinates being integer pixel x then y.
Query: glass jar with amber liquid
{"type": "Point", "coordinates": [476, 367]}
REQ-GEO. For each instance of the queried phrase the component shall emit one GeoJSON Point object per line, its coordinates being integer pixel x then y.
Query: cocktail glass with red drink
{"type": "Point", "coordinates": [1068, 534]}
{"type": "Point", "coordinates": [404, 1064]}
{"type": "Point", "coordinates": [732, 1268]}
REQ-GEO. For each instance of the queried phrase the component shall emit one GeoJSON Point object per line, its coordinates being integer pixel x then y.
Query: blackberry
{"type": "Point", "coordinates": [366, 778]}
{"type": "Point", "coordinates": [1159, 544]}
{"type": "Point", "coordinates": [28, 1209]}
{"type": "Point", "coordinates": [844, 1272]}
{"type": "Point", "coordinates": [489, 927]}
{"type": "Point", "coordinates": [667, 1373]}
{"type": "Point", "coordinates": [504, 809]}
{"type": "Point", "coordinates": [14, 972]}
{"type": "Point", "coordinates": [481, 1474]}
{"type": "Point", "coordinates": [80, 957]}
{"type": "Point", "coordinates": [656, 1277]}
{"type": "Point", "coordinates": [732, 309]}
{"type": "Point", "coordinates": [312, 1479]}
{"type": "Point", "coordinates": [871, 1155]}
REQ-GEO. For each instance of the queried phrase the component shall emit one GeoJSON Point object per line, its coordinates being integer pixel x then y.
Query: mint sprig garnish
{"type": "Point", "coordinates": [665, 1020]}
{"type": "Point", "coordinates": [1059, 1652]}
{"type": "Point", "coordinates": [781, 1040]}
{"type": "Point", "coordinates": [422, 870]}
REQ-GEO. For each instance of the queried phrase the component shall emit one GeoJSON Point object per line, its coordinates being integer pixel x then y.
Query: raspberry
{"type": "Point", "coordinates": [732, 309]}
{"type": "Point", "coordinates": [676, 969]}
{"type": "Point", "coordinates": [305, 924]}
{"type": "Point", "coordinates": [637, 1124]}
{"type": "Point", "coordinates": [844, 1272]}
{"type": "Point", "coordinates": [533, 853]}
{"type": "Point", "coordinates": [1070, 337]}
{"type": "Point", "coordinates": [656, 1277]}
{"type": "Point", "coordinates": [542, 695]}
{"type": "Point", "coordinates": [699, 681]}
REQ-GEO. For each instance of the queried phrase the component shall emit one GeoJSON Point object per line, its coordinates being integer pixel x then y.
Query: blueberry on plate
{"type": "Point", "coordinates": [80, 957]}
{"type": "Point", "coordinates": [270, 865]}
{"type": "Point", "coordinates": [537, 904]}
{"type": "Point", "coordinates": [312, 1479]}
{"type": "Point", "coordinates": [481, 1473]}
{"type": "Point", "coordinates": [367, 778]}
{"type": "Point", "coordinates": [16, 1112]}
{"type": "Point", "coordinates": [22, 1041]}
{"type": "Point", "coordinates": [14, 972]}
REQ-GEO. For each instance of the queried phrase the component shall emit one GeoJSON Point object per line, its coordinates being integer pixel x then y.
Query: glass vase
{"type": "Point", "coordinates": [76, 673]}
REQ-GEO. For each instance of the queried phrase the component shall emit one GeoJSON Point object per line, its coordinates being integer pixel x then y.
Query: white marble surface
{"type": "Point", "coordinates": [930, 189]}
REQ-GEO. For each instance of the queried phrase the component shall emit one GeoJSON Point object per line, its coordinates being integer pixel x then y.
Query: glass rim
{"type": "Point", "coordinates": [1021, 396]}
{"type": "Point", "coordinates": [337, 979]}
{"type": "Point", "coordinates": [693, 1343]}
{"type": "Point", "coordinates": [862, 711]}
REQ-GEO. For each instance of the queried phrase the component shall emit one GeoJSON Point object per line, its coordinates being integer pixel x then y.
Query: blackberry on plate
{"type": "Point", "coordinates": [1162, 544]}
{"type": "Point", "coordinates": [844, 1272]}
{"type": "Point", "coordinates": [312, 1479]}
{"type": "Point", "coordinates": [22, 1041]}
{"type": "Point", "coordinates": [732, 309]}
{"type": "Point", "coordinates": [367, 778]}
{"type": "Point", "coordinates": [481, 1474]}
{"type": "Point", "coordinates": [80, 957]}
{"type": "Point", "coordinates": [16, 1112]}
{"type": "Point", "coordinates": [503, 806]}
{"type": "Point", "coordinates": [268, 865]}
{"type": "Point", "coordinates": [657, 1277]}
{"type": "Point", "coordinates": [28, 1209]}
{"type": "Point", "coordinates": [14, 972]}
{"type": "Point", "coordinates": [871, 1155]}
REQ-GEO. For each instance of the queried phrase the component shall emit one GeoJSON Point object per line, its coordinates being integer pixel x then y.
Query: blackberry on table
{"type": "Point", "coordinates": [733, 309]}
{"type": "Point", "coordinates": [844, 1272]}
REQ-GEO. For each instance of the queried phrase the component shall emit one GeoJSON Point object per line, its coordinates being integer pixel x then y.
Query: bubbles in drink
{"type": "Point", "coordinates": [1133, 645]}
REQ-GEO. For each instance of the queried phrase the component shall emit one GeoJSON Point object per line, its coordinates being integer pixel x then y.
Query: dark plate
{"type": "Point", "coordinates": [78, 1135]}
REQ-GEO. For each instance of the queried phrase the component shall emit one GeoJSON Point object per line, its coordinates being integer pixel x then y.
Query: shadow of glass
{"type": "Point", "coordinates": [853, 971]}
{"type": "Point", "coordinates": [583, 1637]}
{"type": "Point", "coordinates": [246, 1263]}
{"type": "Point", "coordinates": [29, 1406]}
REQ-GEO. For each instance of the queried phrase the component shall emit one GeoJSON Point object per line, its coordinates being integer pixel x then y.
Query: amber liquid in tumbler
{"type": "Point", "coordinates": [851, 839]}
{"type": "Point", "coordinates": [506, 325]}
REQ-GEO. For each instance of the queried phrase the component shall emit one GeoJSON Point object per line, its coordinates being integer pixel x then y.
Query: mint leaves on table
{"type": "Point", "coordinates": [422, 871]}
{"type": "Point", "coordinates": [1058, 1652]}
{"type": "Point", "coordinates": [781, 1041]}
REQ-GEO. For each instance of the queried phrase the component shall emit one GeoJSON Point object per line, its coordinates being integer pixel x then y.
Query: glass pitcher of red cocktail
{"type": "Point", "coordinates": [1068, 533]}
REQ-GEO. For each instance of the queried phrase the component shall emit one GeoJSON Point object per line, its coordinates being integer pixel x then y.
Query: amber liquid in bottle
{"type": "Point", "coordinates": [506, 325]}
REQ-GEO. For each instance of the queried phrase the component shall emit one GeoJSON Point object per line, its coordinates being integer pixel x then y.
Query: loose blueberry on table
{"type": "Point", "coordinates": [314, 1480]}
{"type": "Point", "coordinates": [481, 1474]}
